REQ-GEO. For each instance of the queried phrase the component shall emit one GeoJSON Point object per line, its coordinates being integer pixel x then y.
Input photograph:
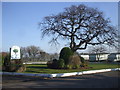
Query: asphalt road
{"type": "Point", "coordinates": [99, 80]}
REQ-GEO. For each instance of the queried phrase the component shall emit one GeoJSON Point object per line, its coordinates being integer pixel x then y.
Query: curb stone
{"type": "Point", "coordinates": [61, 74]}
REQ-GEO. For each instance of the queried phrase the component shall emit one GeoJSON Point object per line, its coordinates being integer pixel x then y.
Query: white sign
{"type": "Point", "coordinates": [15, 52]}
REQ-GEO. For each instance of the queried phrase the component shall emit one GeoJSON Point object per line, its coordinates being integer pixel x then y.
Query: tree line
{"type": "Point", "coordinates": [34, 53]}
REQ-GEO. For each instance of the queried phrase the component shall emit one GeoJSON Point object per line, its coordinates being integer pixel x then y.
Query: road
{"type": "Point", "coordinates": [99, 80]}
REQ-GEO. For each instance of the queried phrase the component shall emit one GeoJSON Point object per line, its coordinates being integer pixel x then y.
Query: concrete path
{"type": "Point", "coordinates": [99, 80]}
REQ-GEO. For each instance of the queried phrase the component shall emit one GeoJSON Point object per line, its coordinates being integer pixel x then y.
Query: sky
{"type": "Point", "coordinates": [20, 22]}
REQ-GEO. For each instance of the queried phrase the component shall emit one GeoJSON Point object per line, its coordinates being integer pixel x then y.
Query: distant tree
{"type": "Point", "coordinates": [30, 52]}
{"type": "Point", "coordinates": [34, 53]}
{"type": "Point", "coordinates": [98, 50]}
{"type": "Point", "coordinates": [54, 56]}
{"type": "Point", "coordinates": [81, 26]}
{"type": "Point", "coordinates": [24, 54]}
{"type": "Point", "coordinates": [43, 55]}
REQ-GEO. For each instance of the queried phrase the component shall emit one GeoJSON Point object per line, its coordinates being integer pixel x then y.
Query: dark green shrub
{"type": "Point", "coordinates": [84, 63]}
{"type": "Point", "coordinates": [55, 64]}
{"type": "Point", "coordinates": [52, 64]}
{"type": "Point", "coordinates": [2, 57]}
{"type": "Point", "coordinates": [49, 64]}
{"type": "Point", "coordinates": [7, 63]}
{"type": "Point", "coordinates": [82, 59]}
{"type": "Point", "coordinates": [61, 63]}
{"type": "Point", "coordinates": [65, 53]}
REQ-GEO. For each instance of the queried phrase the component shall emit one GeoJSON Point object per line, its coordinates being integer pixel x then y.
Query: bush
{"type": "Point", "coordinates": [85, 64]}
{"type": "Point", "coordinates": [68, 66]}
{"type": "Point", "coordinates": [61, 63]}
{"type": "Point", "coordinates": [13, 65]}
{"type": "Point", "coordinates": [49, 64]}
{"type": "Point", "coordinates": [21, 68]}
{"type": "Point", "coordinates": [74, 61]}
{"type": "Point", "coordinates": [65, 53]}
{"type": "Point", "coordinates": [52, 64]}
{"type": "Point", "coordinates": [2, 56]}
{"type": "Point", "coordinates": [82, 59]}
{"type": "Point", "coordinates": [7, 63]}
{"type": "Point", "coordinates": [76, 66]}
{"type": "Point", "coordinates": [55, 64]}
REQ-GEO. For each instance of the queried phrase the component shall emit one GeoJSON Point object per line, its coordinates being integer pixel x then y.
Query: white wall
{"type": "Point", "coordinates": [102, 57]}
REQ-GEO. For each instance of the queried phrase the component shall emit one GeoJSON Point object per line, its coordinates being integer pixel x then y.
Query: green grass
{"type": "Point", "coordinates": [42, 68]}
{"type": "Point", "coordinates": [103, 66]}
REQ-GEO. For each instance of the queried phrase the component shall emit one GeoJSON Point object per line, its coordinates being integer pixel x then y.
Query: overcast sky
{"type": "Point", "coordinates": [20, 21]}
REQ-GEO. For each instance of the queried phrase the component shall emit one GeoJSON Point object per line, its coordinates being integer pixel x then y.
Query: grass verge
{"type": "Point", "coordinates": [42, 68]}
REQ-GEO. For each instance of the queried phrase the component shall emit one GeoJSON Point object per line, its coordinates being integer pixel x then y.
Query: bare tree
{"type": "Point", "coordinates": [54, 56]}
{"type": "Point", "coordinates": [23, 52]}
{"type": "Point", "coordinates": [81, 26]}
{"type": "Point", "coordinates": [33, 51]}
{"type": "Point", "coordinates": [98, 50]}
{"type": "Point", "coordinates": [43, 55]}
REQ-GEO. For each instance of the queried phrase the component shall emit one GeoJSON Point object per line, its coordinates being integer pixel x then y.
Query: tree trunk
{"type": "Point", "coordinates": [98, 57]}
{"type": "Point", "coordinates": [72, 44]}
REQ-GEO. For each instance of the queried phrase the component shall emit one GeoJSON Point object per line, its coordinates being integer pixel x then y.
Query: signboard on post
{"type": "Point", "coordinates": [15, 52]}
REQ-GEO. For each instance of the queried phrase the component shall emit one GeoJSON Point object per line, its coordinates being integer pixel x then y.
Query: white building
{"type": "Point", "coordinates": [101, 56]}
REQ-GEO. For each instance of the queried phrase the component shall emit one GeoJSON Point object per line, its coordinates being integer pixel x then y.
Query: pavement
{"type": "Point", "coordinates": [99, 80]}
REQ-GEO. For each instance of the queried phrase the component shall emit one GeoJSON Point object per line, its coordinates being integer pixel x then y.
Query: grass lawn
{"type": "Point", "coordinates": [42, 68]}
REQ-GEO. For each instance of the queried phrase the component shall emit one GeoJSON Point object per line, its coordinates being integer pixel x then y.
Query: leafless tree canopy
{"type": "Point", "coordinates": [30, 51]}
{"type": "Point", "coordinates": [81, 25]}
{"type": "Point", "coordinates": [34, 53]}
{"type": "Point", "coordinates": [98, 50]}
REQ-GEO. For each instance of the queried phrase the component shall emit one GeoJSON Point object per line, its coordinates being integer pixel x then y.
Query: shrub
{"type": "Point", "coordinates": [61, 63]}
{"type": "Point", "coordinates": [2, 56]}
{"type": "Point", "coordinates": [6, 63]}
{"type": "Point", "coordinates": [69, 66]}
{"type": "Point", "coordinates": [74, 61]}
{"type": "Point", "coordinates": [13, 65]}
{"type": "Point", "coordinates": [82, 59]}
{"type": "Point", "coordinates": [21, 68]}
{"type": "Point", "coordinates": [65, 53]}
{"type": "Point", "coordinates": [52, 64]}
{"type": "Point", "coordinates": [77, 66]}
{"type": "Point", "coordinates": [84, 64]}
{"type": "Point", "coordinates": [55, 64]}
{"type": "Point", "coordinates": [49, 64]}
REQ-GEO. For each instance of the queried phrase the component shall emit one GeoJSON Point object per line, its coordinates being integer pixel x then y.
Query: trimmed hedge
{"type": "Point", "coordinates": [67, 60]}
{"type": "Point", "coordinates": [65, 53]}
{"type": "Point", "coordinates": [61, 64]}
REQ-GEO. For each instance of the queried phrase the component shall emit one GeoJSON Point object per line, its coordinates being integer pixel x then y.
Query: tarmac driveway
{"type": "Point", "coordinates": [99, 80]}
